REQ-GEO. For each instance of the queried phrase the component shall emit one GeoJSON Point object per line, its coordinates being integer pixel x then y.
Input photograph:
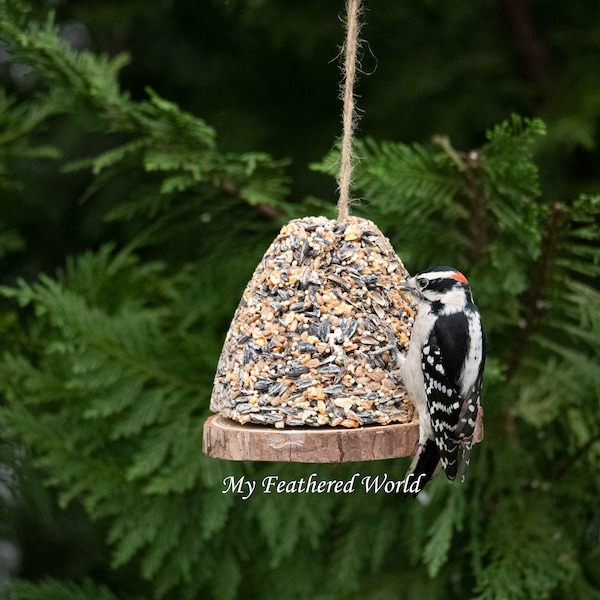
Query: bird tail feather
{"type": "Point", "coordinates": [425, 466]}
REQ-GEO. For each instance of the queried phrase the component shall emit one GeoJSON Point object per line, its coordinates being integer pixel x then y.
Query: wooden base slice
{"type": "Point", "coordinates": [229, 440]}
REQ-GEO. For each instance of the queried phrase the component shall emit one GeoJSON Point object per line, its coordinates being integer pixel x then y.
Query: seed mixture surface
{"type": "Point", "coordinates": [319, 334]}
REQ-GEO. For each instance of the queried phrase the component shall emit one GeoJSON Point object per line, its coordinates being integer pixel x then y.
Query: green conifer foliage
{"type": "Point", "coordinates": [106, 366]}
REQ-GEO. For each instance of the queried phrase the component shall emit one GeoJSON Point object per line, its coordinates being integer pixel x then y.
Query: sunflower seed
{"type": "Point", "coordinates": [306, 347]}
{"type": "Point", "coordinates": [262, 384]}
{"type": "Point", "coordinates": [297, 306]}
{"type": "Point", "coordinates": [302, 384]}
{"type": "Point", "coordinates": [378, 297]}
{"type": "Point", "coordinates": [276, 389]}
{"type": "Point", "coordinates": [334, 390]}
{"type": "Point", "coordinates": [324, 330]}
{"type": "Point", "coordinates": [340, 282]}
{"type": "Point", "coordinates": [295, 371]}
{"type": "Point", "coordinates": [348, 327]}
{"type": "Point", "coordinates": [331, 369]}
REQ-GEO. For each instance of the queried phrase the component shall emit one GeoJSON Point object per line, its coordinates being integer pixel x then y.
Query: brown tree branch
{"type": "Point", "coordinates": [468, 163]}
{"type": "Point", "coordinates": [478, 225]}
{"type": "Point", "coordinates": [565, 466]}
{"type": "Point", "coordinates": [542, 270]}
{"type": "Point", "coordinates": [533, 52]}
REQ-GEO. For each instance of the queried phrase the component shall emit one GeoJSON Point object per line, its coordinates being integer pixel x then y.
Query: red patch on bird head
{"type": "Point", "coordinates": [459, 277]}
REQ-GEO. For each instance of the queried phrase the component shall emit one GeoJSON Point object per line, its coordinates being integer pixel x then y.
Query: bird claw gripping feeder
{"type": "Point", "coordinates": [311, 365]}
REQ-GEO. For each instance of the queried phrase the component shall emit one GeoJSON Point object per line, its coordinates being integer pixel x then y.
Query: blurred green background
{"type": "Point", "coordinates": [265, 74]}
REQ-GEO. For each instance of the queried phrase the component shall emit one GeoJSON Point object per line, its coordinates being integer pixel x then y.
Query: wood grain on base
{"type": "Point", "coordinates": [229, 440]}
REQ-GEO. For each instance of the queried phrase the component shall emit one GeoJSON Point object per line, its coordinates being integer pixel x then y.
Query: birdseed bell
{"type": "Point", "coordinates": [319, 335]}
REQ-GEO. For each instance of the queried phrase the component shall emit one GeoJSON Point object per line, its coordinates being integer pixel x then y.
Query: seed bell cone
{"type": "Point", "coordinates": [318, 337]}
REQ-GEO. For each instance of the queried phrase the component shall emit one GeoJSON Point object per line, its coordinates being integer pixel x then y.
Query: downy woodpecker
{"type": "Point", "coordinates": [443, 371]}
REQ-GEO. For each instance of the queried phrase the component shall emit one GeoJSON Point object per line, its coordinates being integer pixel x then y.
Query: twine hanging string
{"type": "Point", "coordinates": [348, 116]}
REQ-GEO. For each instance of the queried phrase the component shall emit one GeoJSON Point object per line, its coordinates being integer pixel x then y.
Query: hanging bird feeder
{"type": "Point", "coordinates": [310, 367]}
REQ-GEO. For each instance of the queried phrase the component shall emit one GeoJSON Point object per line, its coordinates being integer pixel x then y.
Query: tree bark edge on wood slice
{"type": "Point", "coordinates": [226, 439]}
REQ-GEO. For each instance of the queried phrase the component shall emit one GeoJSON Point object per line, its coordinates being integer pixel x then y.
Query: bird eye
{"type": "Point", "coordinates": [423, 282]}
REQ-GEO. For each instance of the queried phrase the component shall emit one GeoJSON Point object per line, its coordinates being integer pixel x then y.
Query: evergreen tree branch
{"type": "Point", "coordinates": [159, 137]}
{"type": "Point", "coordinates": [542, 274]}
{"type": "Point", "coordinates": [563, 468]}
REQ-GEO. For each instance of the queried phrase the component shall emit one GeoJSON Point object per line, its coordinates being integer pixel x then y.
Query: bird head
{"type": "Point", "coordinates": [442, 285]}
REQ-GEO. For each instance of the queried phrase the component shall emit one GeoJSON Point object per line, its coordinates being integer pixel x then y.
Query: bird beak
{"type": "Point", "coordinates": [408, 285]}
